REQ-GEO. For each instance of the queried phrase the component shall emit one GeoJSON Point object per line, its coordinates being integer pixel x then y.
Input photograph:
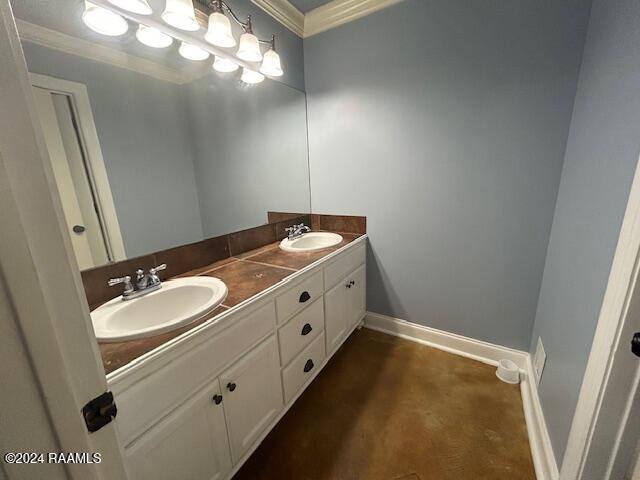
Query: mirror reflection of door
{"type": "Point", "coordinates": [72, 177]}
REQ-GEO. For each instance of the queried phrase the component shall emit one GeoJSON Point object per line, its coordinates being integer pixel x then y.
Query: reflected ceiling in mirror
{"type": "Point", "coordinates": [150, 150]}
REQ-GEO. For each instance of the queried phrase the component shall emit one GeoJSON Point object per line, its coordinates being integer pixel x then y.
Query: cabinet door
{"type": "Point", "coordinates": [190, 444]}
{"type": "Point", "coordinates": [252, 395]}
{"type": "Point", "coordinates": [335, 315]}
{"type": "Point", "coordinates": [356, 296]}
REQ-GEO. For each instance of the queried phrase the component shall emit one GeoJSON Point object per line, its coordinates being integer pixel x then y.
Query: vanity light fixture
{"type": "Point", "coordinates": [224, 65]}
{"type": "Point", "coordinates": [271, 61]}
{"type": "Point", "coordinates": [249, 48]}
{"type": "Point", "coordinates": [141, 7]}
{"type": "Point", "coordinates": [251, 77]}
{"type": "Point", "coordinates": [180, 14]}
{"type": "Point", "coordinates": [103, 21]}
{"type": "Point", "coordinates": [193, 52]}
{"type": "Point", "coordinates": [152, 37]}
{"type": "Point", "coordinates": [219, 28]}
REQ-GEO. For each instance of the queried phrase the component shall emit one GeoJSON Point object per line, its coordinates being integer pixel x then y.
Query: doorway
{"type": "Point", "coordinates": [80, 175]}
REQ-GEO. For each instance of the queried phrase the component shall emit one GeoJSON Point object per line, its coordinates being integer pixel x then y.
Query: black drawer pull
{"type": "Point", "coordinates": [217, 399]}
{"type": "Point", "coordinates": [304, 296]}
{"type": "Point", "coordinates": [231, 386]}
{"type": "Point", "coordinates": [306, 330]}
{"type": "Point", "coordinates": [308, 366]}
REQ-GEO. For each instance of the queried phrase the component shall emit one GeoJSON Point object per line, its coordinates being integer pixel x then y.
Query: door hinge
{"type": "Point", "coordinates": [99, 411]}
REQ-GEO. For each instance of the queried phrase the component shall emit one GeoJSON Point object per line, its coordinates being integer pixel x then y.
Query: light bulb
{"type": "Point", "coordinates": [224, 65]}
{"type": "Point", "coordinates": [180, 14]}
{"type": "Point", "coordinates": [103, 21]}
{"type": "Point", "coordinates": [141, 7]}
{"type": "Point", "coordinates": [193, 52]}
{"type": "Point", "coordinates": [152, 37]}
{"type": "Point", "coordinates": [219, 31]}
{"type": "Point", "coordinates": [249, 48]}
{"type": "Point", "coordinates": [250, 76]}
{"type": "Point", "coordinates": [271, 64]}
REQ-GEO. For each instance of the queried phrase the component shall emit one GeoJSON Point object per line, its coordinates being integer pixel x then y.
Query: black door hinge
{"type": "Point", "coordinates": [99, 411]}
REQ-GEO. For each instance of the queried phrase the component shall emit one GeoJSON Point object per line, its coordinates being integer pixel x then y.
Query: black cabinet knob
{"type": "Point", "coordinates": [635, 344]}
{"type": "Point", "coordinates": [217, 399]}
{"type": "Point", "coordinates": [308, 366]}
{"type": "Point", "coordinates": [306, 329]}
{"type": "Point", "coordinates": [352, 282]}
{"type": "Point", "coordinates": [231, 386]}
{"type": "Point", "coordinates": [348, 285]}
{"type": "Point", "coordinates": [78, 228]}
{"type": "Point", "coordinates": [304, 296]}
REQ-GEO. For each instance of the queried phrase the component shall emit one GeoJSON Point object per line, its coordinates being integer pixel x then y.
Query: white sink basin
{"type": "Point", "coordinates": [311, 241]}
{"type": "Point", "coordinates": [177, 303]}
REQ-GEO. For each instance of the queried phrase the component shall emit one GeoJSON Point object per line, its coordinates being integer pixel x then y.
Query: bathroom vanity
{"type": "Point", "coordinates": [198, 405]}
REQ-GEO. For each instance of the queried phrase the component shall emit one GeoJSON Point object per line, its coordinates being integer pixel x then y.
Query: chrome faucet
{"type": "Point", "coordinates": [145, 283]}
{"type": "Point", "coordinates": [296, 231]}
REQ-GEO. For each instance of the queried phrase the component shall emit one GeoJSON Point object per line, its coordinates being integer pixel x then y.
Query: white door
{"type": "Point", "coordinates": [190, 444]}
{"type": "Point", "coordinates": [335, 315]}
{"type": "Point", "coordinates": [252, 391]}
{"type": "Point", "coordinates": [617, 430]}
{"type": "Point", "coordinates": [356, 296]}
{"type": "Point", "coordinates": [71, 178]}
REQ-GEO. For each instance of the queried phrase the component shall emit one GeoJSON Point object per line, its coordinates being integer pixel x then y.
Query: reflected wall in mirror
{"type": "Point", "coordinates": [159, 151]}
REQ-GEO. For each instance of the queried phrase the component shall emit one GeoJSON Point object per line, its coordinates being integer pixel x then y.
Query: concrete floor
{"type": "Point", "coordinates": [390, 409]}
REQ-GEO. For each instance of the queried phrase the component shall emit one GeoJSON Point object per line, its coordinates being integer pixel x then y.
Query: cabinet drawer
{"type": "Point", "coordinates": [303, 367]}
{"type": "Point", "coordinates": [300, 331]}
{"type": "Point", "coordinates": [299, 296]}
{"type": "Point", "coordinates": [142, 403]}
{"type": "Point", "coordinates": [345, 264]}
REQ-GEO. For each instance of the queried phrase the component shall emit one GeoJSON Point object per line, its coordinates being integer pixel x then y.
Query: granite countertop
{"type": "Point", "coordinates": [245, 275]}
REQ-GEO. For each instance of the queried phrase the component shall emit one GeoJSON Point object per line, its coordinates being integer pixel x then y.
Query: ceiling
{"type": "Point", "coordinates": [306, 5]}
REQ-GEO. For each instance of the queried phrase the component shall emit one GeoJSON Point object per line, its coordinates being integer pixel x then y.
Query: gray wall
{"type": "Point", "coordinates": [445, 122]}
{"type": "Point", "coordinates": [602, 152]}
{"type": "Point", "coordinates": [250, 151]}
{"type": "Point", "coordinates": [142, 125]}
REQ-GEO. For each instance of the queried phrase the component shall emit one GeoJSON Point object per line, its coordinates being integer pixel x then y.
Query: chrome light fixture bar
{"type": "Point", "coordinates": [195, 44]}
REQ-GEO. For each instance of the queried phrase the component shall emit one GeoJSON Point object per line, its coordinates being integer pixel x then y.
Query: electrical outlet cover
{"type": "Point", "coordinates": [539, 360]}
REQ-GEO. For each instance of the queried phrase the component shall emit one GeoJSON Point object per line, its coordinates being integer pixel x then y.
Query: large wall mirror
{"type": "Point", "coordinates": [149, 150]}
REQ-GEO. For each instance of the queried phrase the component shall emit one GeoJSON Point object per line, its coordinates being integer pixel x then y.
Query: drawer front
{"type": "Point", "coordinates": [141, 404]}
{"type": "Point", "coordinates": [300, 331]}
{"type": "Point", "coordinates": [345, 264]}
{"type": "Point", "coordinates": [299, 296]}
{"type": "Point", "coordinates": [303, 367]}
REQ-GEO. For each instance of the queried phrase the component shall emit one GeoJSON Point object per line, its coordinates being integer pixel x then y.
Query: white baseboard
{"type": "Point", "coordinates": [543, 458]}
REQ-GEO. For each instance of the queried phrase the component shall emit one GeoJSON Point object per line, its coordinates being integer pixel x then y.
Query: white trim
{"type": "Point", "coordinates": [98, 174]}
{"type": "Point", "coordinates": [449, 342]}
{"type": "Point", "coordinates": [325, 17]}
{"type": "Point", "coordinates": [541, 451]}
{"type": "Point", "coordinates": [284, 12]}
{"type": "Point", "coordinates": [544, 459]}
{"type": "Point", "coordinates": [339, 12]}
{"type": "Point", "coordinates": [46, 37]}
{"type": "Point", "coordinates": [610, 324]}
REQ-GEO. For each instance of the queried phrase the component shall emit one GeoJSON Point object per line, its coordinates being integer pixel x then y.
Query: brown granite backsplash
{"type": "Point", "coordinates": [332, 223]}
{"type": "Point", "coordinates": [188, 258]}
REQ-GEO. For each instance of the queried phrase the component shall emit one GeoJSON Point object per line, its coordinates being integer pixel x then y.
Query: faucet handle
{"type": "Point", "coordinates": [157, 269]}
{"type": "Point", "coordinates": [128, 288]}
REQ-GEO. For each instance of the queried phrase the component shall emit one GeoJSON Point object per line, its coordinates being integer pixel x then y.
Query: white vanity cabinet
{"type": "Point", "coordinates": [197, 409]}
{"type": "Point", "coordinates": [344, 303]}
{"type": "Point", "coordinates": [190, 443]}
{"type": "Point", "coordinates": [252, 396]}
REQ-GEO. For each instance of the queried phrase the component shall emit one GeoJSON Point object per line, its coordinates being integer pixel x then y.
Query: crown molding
{"type": "Point", "coordinates": [325, 17]}
{"type": "Point", "coordinates": [339, 12]}
{"type": "Point", "coordinates": [284, 12]}
{"type": "Point", "coordinates": [46, 37]}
